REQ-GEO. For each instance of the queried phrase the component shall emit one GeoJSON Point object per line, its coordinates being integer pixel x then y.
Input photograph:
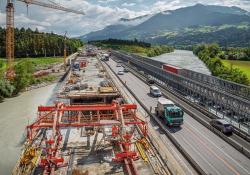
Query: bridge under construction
{"type": "Point", "coordinates": [104, 122]}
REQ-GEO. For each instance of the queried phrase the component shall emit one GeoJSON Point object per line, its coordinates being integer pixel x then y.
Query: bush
{"type": "Point", "coordinates": [24, 74]}
{"type": "Point", "coordinates": [6, 89]}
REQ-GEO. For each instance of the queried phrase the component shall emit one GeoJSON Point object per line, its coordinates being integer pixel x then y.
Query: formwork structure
{"type": "Point", "coordinates": [120, 118]}
{"type": "Point", "coordinates": [95, 134]}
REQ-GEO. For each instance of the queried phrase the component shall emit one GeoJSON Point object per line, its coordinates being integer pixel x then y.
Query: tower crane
{"type": "Point", "coordinates": [10, 74]}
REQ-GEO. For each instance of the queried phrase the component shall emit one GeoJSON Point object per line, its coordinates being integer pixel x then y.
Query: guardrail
{"type": "Point", "coordinates": [231, 87]}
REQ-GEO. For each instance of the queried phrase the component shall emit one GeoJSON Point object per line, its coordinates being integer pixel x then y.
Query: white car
{"type": "Point", "coordinates": [120, 72]}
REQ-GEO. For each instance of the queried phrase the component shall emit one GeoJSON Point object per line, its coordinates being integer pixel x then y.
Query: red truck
{"type": "Point", "coordinates": [171, 68]}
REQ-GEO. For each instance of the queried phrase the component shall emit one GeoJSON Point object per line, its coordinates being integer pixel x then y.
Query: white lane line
{"type": "Point", "coordinates": [199, 154]}
{"type": "Point", "coordinates": [218, 148]}
{"type": "Point", "coordinates": [164, 139]}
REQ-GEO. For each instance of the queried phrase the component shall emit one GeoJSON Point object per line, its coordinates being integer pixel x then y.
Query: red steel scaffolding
{"type": "Point", "coordinates": [62, 116]}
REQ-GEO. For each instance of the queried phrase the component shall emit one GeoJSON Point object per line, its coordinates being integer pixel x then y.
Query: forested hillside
{"type": "Point", "coordinates": [30, 43]}
{"type": "Point", "coordinates": [134, 46]}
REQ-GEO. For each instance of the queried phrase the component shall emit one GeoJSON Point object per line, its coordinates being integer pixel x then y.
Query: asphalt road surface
{"type": "Point", "coordinates": [214, 155]}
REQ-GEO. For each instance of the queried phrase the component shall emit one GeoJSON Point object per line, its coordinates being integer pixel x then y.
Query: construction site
{"type": "Point", "coordinates": [91, 129]}
{"type": "Point", "coordinates": [116, 112]}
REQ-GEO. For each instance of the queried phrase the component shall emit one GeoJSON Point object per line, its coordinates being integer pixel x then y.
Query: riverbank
{"type": "Point", "coordinates": [16, 113]}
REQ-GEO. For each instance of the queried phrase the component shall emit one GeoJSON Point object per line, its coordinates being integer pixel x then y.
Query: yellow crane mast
{"type": "Point", "coordinates": [10, 74]}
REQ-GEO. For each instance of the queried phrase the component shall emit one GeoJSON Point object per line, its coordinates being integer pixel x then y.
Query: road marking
{"type": "Point", "coordinates": [175, 153]}
{"type": "Point", "coordinates": [211, 151]}
{"type": "Point", "coordinates": [164, 139]}
{"type": "Point", "coordinates": [221, 150]}
{"type": "Point", "coordinates": [197, 152]}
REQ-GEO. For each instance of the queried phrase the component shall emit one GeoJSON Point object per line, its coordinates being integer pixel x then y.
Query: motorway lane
{"type": "Point", "coordinates": [213, 154]}
{"type": "Point", "coordinates": [175, 161]}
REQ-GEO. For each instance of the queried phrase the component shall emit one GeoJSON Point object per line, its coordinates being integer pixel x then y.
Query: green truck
{"type": "Point", "coordinates": [169, 112]}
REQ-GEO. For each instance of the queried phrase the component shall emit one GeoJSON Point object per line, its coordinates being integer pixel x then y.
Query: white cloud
{"type": "Point", "coordinates": [99, 13]}
{"type": "Point", "coordinates": [128, 4]}
{"type": "Point", "coordinates": [166, 5]}
{"type": "Point", "coordinates": [107, 1]}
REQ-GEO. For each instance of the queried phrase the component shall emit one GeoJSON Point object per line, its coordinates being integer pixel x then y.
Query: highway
{"type": "Point", "coordinates": [212, 154]}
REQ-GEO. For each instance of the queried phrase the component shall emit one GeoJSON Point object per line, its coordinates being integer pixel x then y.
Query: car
{"type": "Point", "coordinates": [155, 91]}
{"type": "Point", "coordinates": [125, 70]}
{"type": "Point", "coordinates": [118, 65]}
{"type": "Point", "coordinates": [150, 81]}
{"type": "Point", "coordinates": [222, 125]}
{"type": "Point", "coordinates": [120, 72]}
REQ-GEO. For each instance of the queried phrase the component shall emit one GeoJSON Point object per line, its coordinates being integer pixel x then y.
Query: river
{"type": "Point", "coordinates": [185, 59]}
{"type": "Point", "coordinates": [15, 114]}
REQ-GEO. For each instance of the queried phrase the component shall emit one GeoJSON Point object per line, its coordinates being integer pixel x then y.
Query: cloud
{"type": "Point", "coordinates": [128, 4]}
{"type": "Point", "coordinates": [166, 5]}
{"type": "Point", "coordinates": [107, 1]}
{"type": "Point", "coordinates": [99, 13]}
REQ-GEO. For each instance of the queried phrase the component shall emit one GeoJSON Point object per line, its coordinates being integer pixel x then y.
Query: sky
{"type": "Point", "coordinates": [99, 13]}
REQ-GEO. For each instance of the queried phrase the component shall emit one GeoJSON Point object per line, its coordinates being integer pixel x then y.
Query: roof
{"type": "Point", "coordinates": [164, 101]}
{"type": "Point", "coordinates": [154, 87]}
{"type": "Point", "coordinates": [169, 65]}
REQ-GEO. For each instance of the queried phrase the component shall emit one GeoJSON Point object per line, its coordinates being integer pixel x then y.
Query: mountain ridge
{"type": "Point", "coordinates": [173, 21]}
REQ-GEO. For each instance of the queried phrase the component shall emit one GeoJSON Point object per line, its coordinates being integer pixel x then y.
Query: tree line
{"type": "Point", "coordinates": [231, 53]}
{"type": "Point", "coordinates": [229, 37]}
{"type": "Point", "coordinates": [121, 42]}
{"type": "Point", "coordinates": [210, 54]}
{"type": "Point", "coordinates": [134, 46]}
{"type": "Point", "coordinates": [29, 43]}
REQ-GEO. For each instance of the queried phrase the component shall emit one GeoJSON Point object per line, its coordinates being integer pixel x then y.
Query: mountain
{"type": "Point", "coordinates": [197, 19]}
{"type": "Point", "coordinates": [107, 32]}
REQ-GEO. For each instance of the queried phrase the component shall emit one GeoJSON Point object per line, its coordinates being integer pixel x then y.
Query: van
{"type": "Point", "coordinates": [155, 91]}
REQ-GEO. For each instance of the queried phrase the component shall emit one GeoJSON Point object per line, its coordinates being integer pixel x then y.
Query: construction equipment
{"type": "Point", "coordinates": [119, 117]}
{"type": "Point", "coordinates": [10, 74]}
{"type": "Point", "coordinates": [10, 39]}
